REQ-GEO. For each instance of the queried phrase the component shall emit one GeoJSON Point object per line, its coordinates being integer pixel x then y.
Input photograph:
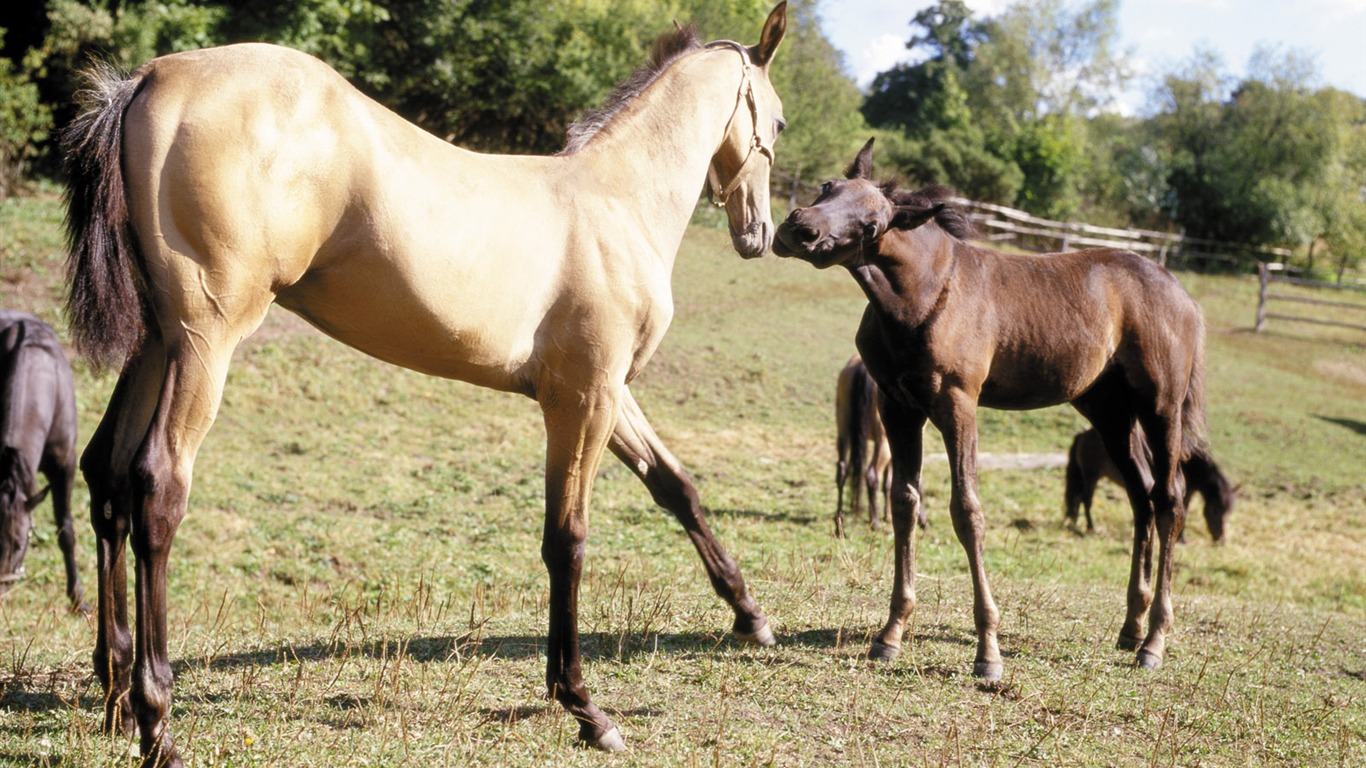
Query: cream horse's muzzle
{"type": "Point", "coordinates": [754, 238]}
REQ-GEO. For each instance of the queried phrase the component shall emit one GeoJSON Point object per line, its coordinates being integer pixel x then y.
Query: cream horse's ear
{"type": "Point", "coordinates": [774, 29]}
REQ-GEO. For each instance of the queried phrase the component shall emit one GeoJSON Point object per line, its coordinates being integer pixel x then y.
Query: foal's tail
{"type": "Point", "coordinates": [1075, 484]}
{"type": "Point", "coordinates": [1193, 441]}
{"type": "Point", "coordinates": [105, 310]}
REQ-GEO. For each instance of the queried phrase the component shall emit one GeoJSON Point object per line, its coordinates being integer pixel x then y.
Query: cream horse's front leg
{"type": "Point", "coordinates": [578, 426]}
{"type": "Point", "coordinates": [639, 447]}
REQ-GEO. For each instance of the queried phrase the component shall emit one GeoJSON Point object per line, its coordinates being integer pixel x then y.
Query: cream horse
{"type": "Point", "coordinates": [209, 184]}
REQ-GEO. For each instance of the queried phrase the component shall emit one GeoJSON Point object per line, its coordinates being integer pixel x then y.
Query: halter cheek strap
{"type": "Point", "coordinates": [744, 94]}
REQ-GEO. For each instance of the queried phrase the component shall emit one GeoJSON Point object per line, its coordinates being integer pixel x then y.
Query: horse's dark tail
{"type": "Point", "coordinates": [858, 402]}
{"type": "Point", "coordinates": [1073, 495]}
{"type": "Point", "coordinates": [105, 310]}
{"type": "Point", "coordinates": [1193, 441]}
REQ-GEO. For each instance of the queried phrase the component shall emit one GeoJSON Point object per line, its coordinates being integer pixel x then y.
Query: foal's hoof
{"type": "Point", "coordinates": [987, 670]}
{"type": "Point", "coordinates": [1128, 642]}
{"type": "Point", "coordinates": [763, 636]}
{"type": "Point", "coordinates": [881, 651]}
{"type": "Point", "coordinates": [609, 742]}
{"type": "Point", "coordinates": [1147, 660]}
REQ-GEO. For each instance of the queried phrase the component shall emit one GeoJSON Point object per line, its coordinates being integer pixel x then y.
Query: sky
{"type": "Point", "coordinates": [1157, 35]}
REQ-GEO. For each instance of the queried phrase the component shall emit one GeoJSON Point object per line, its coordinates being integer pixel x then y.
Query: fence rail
{"type": "Point", "coordinates": [1265, 274]}
{"type": "Point", "coordinates": [1000, 224]}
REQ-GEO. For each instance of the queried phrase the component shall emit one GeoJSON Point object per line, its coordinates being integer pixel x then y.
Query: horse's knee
{"type": "Point", "coordinates": [905, 499]}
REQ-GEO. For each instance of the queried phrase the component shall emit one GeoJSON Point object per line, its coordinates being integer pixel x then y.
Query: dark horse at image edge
{"type": "Point", "coordinates": [37, 434]}
{"type": "Point", "coordinates": [951, 325]}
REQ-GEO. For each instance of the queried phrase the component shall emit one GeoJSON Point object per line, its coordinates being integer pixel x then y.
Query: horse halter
{"type": "Point", "coordinates": [745, 93]}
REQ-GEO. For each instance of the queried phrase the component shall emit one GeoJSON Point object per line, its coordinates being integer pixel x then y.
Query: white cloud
{"type": "Point", "coordinates": [879, 55]}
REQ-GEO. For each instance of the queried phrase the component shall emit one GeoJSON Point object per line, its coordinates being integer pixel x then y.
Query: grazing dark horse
{"type": "Point", "coordinates": [951, 325]}
{"type": "Point", "coordinates": [210, 184]}
{"type": "Point", "coordinates": [37, 434]}
{"type": "Point", "coordinates": [858, 425]}
{"type": "Point", "coordinates": [1088, 462]}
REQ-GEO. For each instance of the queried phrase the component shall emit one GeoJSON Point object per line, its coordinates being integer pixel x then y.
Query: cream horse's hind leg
{"type": "Point", "coordinates": [638, 447]}
{"type": "Point", "coordinates": [105, 464]}
{"type": "Point", "coordinates": [197, 351]}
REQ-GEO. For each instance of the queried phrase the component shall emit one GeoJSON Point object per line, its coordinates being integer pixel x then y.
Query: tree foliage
{"type": "Point", "coordinates": [24, 123]}
{"type": "Point", "coordinates": [1267, 160]}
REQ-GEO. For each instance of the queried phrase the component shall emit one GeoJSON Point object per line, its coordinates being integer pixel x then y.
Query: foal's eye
{"type": "Point", "coordinates": [779, 125]}
{"type": "Point", "coordinates": [825, 188]}
{"type": "Point", "coordinates": [869, 231]}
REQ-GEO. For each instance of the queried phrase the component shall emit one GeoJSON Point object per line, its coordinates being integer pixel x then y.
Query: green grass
{"type": "Point", "coordinates": [359, 583]}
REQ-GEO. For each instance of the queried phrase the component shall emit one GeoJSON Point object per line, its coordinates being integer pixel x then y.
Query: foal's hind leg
{"type": "Point", "coordinates": [1164, 438]}
{"type": "Point", "coordinates": [1115, 424]}
{"type": "Point", "coordinates": [634, 442]}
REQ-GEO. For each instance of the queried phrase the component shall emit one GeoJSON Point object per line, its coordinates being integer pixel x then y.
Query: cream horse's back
{"type": "Point", "coordinates": [394, 242]}
{"type": "Point", "coordinates": [210, 184]}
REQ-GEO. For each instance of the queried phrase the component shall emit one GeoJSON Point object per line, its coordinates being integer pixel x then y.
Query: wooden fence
{"type": "Point", "coordinates": [1001, 224]}
{"type": "Point", "coordinates": [1266, 274]}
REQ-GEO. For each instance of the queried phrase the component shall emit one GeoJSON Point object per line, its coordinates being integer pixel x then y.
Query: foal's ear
{"type": "Point", "coordinates": [774, 29]}
{"type": "Point", "coordinates": [862, 167]}
{"type": "Point", "coordinates": [911, 216]}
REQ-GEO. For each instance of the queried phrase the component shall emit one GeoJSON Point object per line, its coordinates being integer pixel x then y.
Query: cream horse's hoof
{"type": "Point", "coordinates": [1147, 660]}
{"type": "Point", "coordinates": [880, 651]}
{"type": "Point", "coordinates": [987, 670]}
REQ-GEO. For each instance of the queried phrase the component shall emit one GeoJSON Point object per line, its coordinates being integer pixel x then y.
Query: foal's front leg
{"type": "Point", "coordinates": [61, 476]}
{"type": "Point", "coordinates": [904, 426]}
{"type": "Point", "coordinates": [957, 420]}
{"type": "Point", "coordinates": [635, 442]}
{"type": "Point", "coordinates": [578, 426]}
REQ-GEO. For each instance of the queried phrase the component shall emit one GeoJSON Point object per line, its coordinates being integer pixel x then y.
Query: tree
{"type": "Point", "coordinates": [820, 104]}
{"type": "Point", "coordinates": [1038, 73]}
{"type": "Point", "coordinates": [24, 123]}
{"type": "Point", "coordinates": [922, 98]}
{"type": "Point", "coordinates": [1271, 162]}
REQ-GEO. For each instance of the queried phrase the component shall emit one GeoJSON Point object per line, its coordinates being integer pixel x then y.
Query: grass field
{"type": "Point", "coordinates": [359, 582]}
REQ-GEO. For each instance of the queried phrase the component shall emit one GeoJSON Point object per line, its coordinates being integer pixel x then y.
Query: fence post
{"type": "Point", "coordinates": [1264, 277]}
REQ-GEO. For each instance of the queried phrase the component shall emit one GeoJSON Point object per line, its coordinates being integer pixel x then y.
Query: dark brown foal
{"type": "Point", "coordinates": [951, 325]}
{"type": "Point", "coordinates": [37, 435]}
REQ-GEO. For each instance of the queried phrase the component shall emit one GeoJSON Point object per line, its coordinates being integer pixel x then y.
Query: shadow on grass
{"type": "Point", "coordinates": [1358, 427]}
{"type": "Point", "coordinates": [785, 517]}
{"type": "Point", "coordinates": [595, 646]}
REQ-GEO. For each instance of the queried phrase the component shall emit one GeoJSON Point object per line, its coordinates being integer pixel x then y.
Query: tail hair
{"type": "Point", "coordinates": [105, 309]}
{"type": "Point", "coordinates": [1193, 419]}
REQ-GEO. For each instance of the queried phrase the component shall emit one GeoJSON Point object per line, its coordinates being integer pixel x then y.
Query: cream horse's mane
{"type": "Point", "coordinates": [668, 48]}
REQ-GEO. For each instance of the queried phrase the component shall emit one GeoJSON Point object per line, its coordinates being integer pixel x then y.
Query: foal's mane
{"type": "Point", "coordinates": [951, 218]}
{"type": "Point", "coordinates": [668, 48]}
